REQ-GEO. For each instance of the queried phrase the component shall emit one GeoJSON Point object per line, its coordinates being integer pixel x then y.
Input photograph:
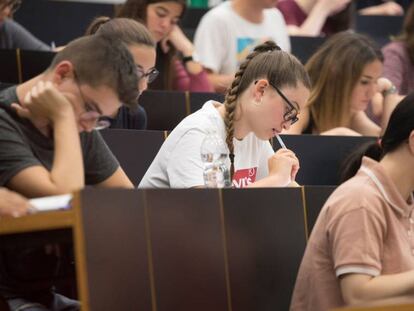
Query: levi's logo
{"type": "Point", "coordinates": [243, 178]}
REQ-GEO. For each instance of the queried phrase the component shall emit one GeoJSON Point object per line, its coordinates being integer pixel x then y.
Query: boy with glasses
{"type": "Point", "coordinates": [42, 152]}
{"type": "Point", "coordinates": [13, 35]}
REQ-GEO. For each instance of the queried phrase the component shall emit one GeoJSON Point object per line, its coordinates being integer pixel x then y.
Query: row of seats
{"type": "Point", "coordinates": [38, 15]}
{"type": "Point", "coordinates": [321, 157]}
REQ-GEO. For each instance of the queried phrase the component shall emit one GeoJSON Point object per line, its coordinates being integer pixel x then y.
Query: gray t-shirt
{"type": "Point", "coordinates": [15, 36]}
{"type": "Point", "coordinates": [22, 146]}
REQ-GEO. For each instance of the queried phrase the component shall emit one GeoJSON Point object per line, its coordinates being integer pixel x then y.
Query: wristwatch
{"type": "Point", "coordinates": [187, 59]}
{"type": "Point", "coordinates": [391, 90]}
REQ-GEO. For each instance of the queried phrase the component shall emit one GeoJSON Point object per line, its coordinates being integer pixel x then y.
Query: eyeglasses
{"type": "Point", "coordinates": [151, 75]}
{"type": "Point", "coordinates": [292, 112]}
{"type": "Point", "coordinates": [14, 5]}
{"type": "Point", "coordinates": [92, 112]}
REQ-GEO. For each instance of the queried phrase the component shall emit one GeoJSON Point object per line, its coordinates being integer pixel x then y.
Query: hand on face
{"type": "Point", "coordinates": [44, 101]}
{"type": "Point", "coordinates": [12, 204]}
{"type": "Point", "coordinates": [285, 165]}
{"type": "Point", "coordinates": [179, 41]}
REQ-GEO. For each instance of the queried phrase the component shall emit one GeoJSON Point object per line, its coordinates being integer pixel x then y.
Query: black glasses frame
{"type": "Point", "coordinates": [151, 75]}
{"type": "Point", "coordinates": [292, 113]}
{"type": "Point", "coordinates": [102, 122]}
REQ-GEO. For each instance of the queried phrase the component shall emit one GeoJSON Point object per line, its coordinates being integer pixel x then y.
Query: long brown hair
{"type": "Point", "coordinates": [266, 61]}
{"type": "Point", "coordinates": [137, 9]}
{"type": "Point", "coordinates": [407, 34]}
{"type": "Point", "coordinates": [334, 71]}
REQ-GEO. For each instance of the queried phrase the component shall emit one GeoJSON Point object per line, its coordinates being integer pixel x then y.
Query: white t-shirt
{"type": "Point", "coordinates": [178, 163]}
{"type": "Point", "coordinates": [223, 38]}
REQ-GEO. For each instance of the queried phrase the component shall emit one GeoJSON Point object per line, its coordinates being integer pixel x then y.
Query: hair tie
{"type": "Point", "coordinates": [379, 142]}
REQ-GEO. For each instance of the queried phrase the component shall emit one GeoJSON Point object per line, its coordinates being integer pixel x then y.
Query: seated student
{"type": "Point", "coordinates": [42, 152]}
{"type": "Point", "coordinates": [399, 56]}
{"type": "Point", "coordinates": [227, 33]}
{"type": "Point", "coordinates": [344, 74]}
{"type": "Point", "coordinates": [361, 247]}
{"type": "Point", "coordinates": [179, 69]}
{"type": "Point", "coordinates": [13, 35]}
{"type": "Point", "coordinates": [142, 47]}
{"type": "Point", "coordinates": [12, 204]}
{"type": "Point", "coordinates": [316, 17]}
{"type": "Point", "coordinates": [265, 97]}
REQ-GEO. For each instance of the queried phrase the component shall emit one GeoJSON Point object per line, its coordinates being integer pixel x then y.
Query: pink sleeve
{"type": "Point", "coordinates": [185, 81]}
{"type": "Point", "coordinates": [356, 239]}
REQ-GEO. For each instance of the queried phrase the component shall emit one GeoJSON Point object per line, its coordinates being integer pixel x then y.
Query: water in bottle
{"type": "Point", "coordinates": [214, 154]}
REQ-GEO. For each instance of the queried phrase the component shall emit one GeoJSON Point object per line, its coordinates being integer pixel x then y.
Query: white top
{"type": "Point", "coordinates": [223, 38]}
{"type": "Point", "coordinates": [178, 163]}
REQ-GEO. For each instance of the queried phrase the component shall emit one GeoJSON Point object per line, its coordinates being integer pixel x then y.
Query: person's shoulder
{"type": "Point", "coordinates": [395, 47]}
{"type": "Point", "coordinates": [359, 192]}
{"type": "Point", "coordinates": [274, 14]}
{"type": "Point", "coordinates": [220, 12]}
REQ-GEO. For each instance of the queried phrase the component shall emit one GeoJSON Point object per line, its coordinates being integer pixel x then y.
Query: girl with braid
{"type": "Point", "coordinates": [265, 97]}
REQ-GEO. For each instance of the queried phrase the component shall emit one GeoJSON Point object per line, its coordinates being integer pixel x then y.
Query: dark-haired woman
{"type": "Point", "coordinates": [176, 60]}
{"type": "Point", "coordinates": [361, 250]}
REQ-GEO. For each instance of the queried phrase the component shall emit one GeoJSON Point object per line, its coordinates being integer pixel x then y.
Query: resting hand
{"type": "Point", "coordinates": [45, 102]}
{"type": "Point", "coordinates": [12, 204]}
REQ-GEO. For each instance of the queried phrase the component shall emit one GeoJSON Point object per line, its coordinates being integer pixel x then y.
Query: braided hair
{"type": "Point", "coordinates": [268, 61]}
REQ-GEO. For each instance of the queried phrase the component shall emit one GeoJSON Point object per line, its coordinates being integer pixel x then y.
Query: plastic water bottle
{"type": "Point", "coordinates": [213, 154]}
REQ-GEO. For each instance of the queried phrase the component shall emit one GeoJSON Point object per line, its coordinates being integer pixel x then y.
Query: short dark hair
{"type": "Point", "coordinates": [101, 61]}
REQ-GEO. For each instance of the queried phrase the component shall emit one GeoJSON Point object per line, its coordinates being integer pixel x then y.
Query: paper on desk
{"type": "Point", "coordinates": [51, 203]}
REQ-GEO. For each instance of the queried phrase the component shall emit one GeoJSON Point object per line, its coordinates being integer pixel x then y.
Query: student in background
{"type": "Point", "coordinates": [267, 94]}
{"type": "Point", "coordinates": [176, 60]}
{"type": "Point", "coordinates": [142, 47]}
{"type": "Point", "coordinates": [316, 17]}
{"type": "Point", "coordinates": [399, 56]}
{"type": "Point", "coordinates": [12, 204]}
{"type": "Point", "coordinates": [228, 33]}
{"type": "Point", "coordinates": [49, 145]}
{"type": "Point", "coordinates": [345, 74]}
{"type": "Point", "coordinates": [13, 35]}
{"type": "Point", "coordinates": [361, 247]}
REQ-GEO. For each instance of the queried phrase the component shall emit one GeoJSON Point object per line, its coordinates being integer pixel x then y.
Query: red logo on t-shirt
{"type": "Point", "coordinates": [243, 178]}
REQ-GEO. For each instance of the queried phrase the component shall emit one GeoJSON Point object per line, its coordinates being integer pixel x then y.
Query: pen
{"type": "Point", "coordinates": [282, 144]}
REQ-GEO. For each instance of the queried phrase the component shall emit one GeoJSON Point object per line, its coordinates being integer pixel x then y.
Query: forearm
{"type": "Point", "coordinates": [390, 102]}
{"type": "Point", "coordinates": [360, 289]}
{"type": "Point", "coordinates": [67, 173]}
{"type": "Point", "coordinates": [313, 24]}
{"type": "Point", "coordinates": [220, 82]}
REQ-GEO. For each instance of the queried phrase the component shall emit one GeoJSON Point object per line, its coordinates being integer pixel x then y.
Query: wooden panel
{"type": "Point", "coordinates": [165, 109]}
{"type": "Point", "coordinates": [115, 250]}
{"type": "Point", "coordinates": [315, 198]}
{"type": "Point", "coordinates": [135, 150]}
{"type": "Point", "coordinates": [34, 63]}
{"type": "Point", "coordinates": [265, 241]}
{"type": "Point", "coordinates": [9, 72]}
{"type": "Point", "coordinates": [187, 248]}
{"type": "Point", "coordinates": [321, 156]}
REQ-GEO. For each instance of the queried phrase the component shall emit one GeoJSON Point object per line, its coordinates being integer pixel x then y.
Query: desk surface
{"type": "Point", "coordinates": [37, 222]}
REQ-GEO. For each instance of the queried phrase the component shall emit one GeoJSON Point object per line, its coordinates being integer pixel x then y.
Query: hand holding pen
{"type": "Point", "coordinates": [284, 164]}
